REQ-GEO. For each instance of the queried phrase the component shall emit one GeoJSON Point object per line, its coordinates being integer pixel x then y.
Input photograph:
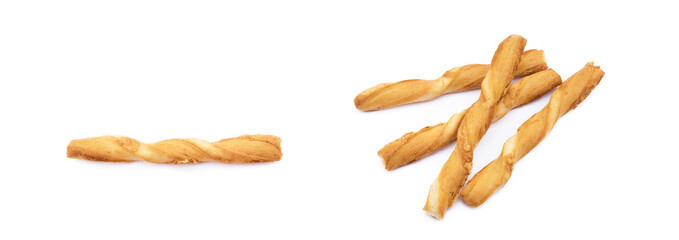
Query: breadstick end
{"type": "Point", "coordinates": [104, 149]}
{"type": "Point", "coordinates": [532, 61]}
{"type": "Point", "coordinates": [432, 207]}
{"type": "Point", "coordinates": [485, 183]}
{"type": "Point", "coordinates": [434, 215]}
{"type": "Point", "coordinates": [365, 101]}
{"type": "Point", "coordinates": [386, 164]}
{"type": "Point", "coordinates": [255, 148]}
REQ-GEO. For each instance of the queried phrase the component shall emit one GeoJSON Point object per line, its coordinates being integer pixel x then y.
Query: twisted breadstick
{"type": "Point", "coordinates": [413, 146]}
{"type": "Point", "coordinates": [458, 79]}
{"type": "Point", "coordinates": [243, 149]}
{"type": "Point", "coordinates": [497, 173]}
{"type": "Point", "coordinates": [446, 188]}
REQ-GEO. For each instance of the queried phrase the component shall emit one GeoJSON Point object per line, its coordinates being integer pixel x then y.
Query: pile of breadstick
{"type": "Point", "coordinates": [498, 96]}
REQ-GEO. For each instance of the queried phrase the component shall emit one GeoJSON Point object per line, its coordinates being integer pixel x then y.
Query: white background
{"type": "Point", "coordinates": [154, 70]}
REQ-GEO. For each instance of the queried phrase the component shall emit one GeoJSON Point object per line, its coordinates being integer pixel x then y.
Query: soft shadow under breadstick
{"type": "Point", "coordinates": [416, 145]}
{"type": "Point", "coordinates": [530, 134]}
{"type": "Point", "coordinates": [243, 149]}
{"type": "Point", "coordinates": [446, 188]}
{"type": "Point", "coordinates": [458, 79]}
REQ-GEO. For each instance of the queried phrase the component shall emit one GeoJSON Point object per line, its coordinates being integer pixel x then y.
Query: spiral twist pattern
{"type": "Point", "coordinates": [458, 79]}
{"type": "Point", "coordinates": [496, 174]}
{"type": "Point", "coordinates": [243, 149]}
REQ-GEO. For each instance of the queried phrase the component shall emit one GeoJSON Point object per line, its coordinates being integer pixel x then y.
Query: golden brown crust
{"type": "Point", "coordinates": [446, 188]}
{"type": "Point", "coordinates": [530, 133]}
{"type": "Point", "coordinates": [243, 149]}
{"type": "Point", "coordinates": [458, 79]}
{"type": "Point", "coordinates": [532, 61]}
{"type": "Point", "coordinates": [414, 146]}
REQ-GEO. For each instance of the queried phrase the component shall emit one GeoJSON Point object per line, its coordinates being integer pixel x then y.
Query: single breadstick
{"type": "Point", "coordinates": [414, 146]}
{"type": "Point", "coordinates": [458, 79]}
{"type": "Point", "coordinates": [446, 188]}
{"type": "Point", "coordinates": [243, 149]}
{"type": "Point", "coordinates": [497, 173]}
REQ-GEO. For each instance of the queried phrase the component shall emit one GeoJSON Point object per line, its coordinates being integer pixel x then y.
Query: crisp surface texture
{"type": "Point", "coordinates": [571, 93]}
{"type": "Point", "coordinates": [156, 70]}
{"type": "Point", "coordinates": [243, 149]}
{"type": "Point", "coordinates": [458, 79]}
{"type": "Point", "coordinates": [446, 188]}
{"type": "Point", "coordinates": [415, 145]}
